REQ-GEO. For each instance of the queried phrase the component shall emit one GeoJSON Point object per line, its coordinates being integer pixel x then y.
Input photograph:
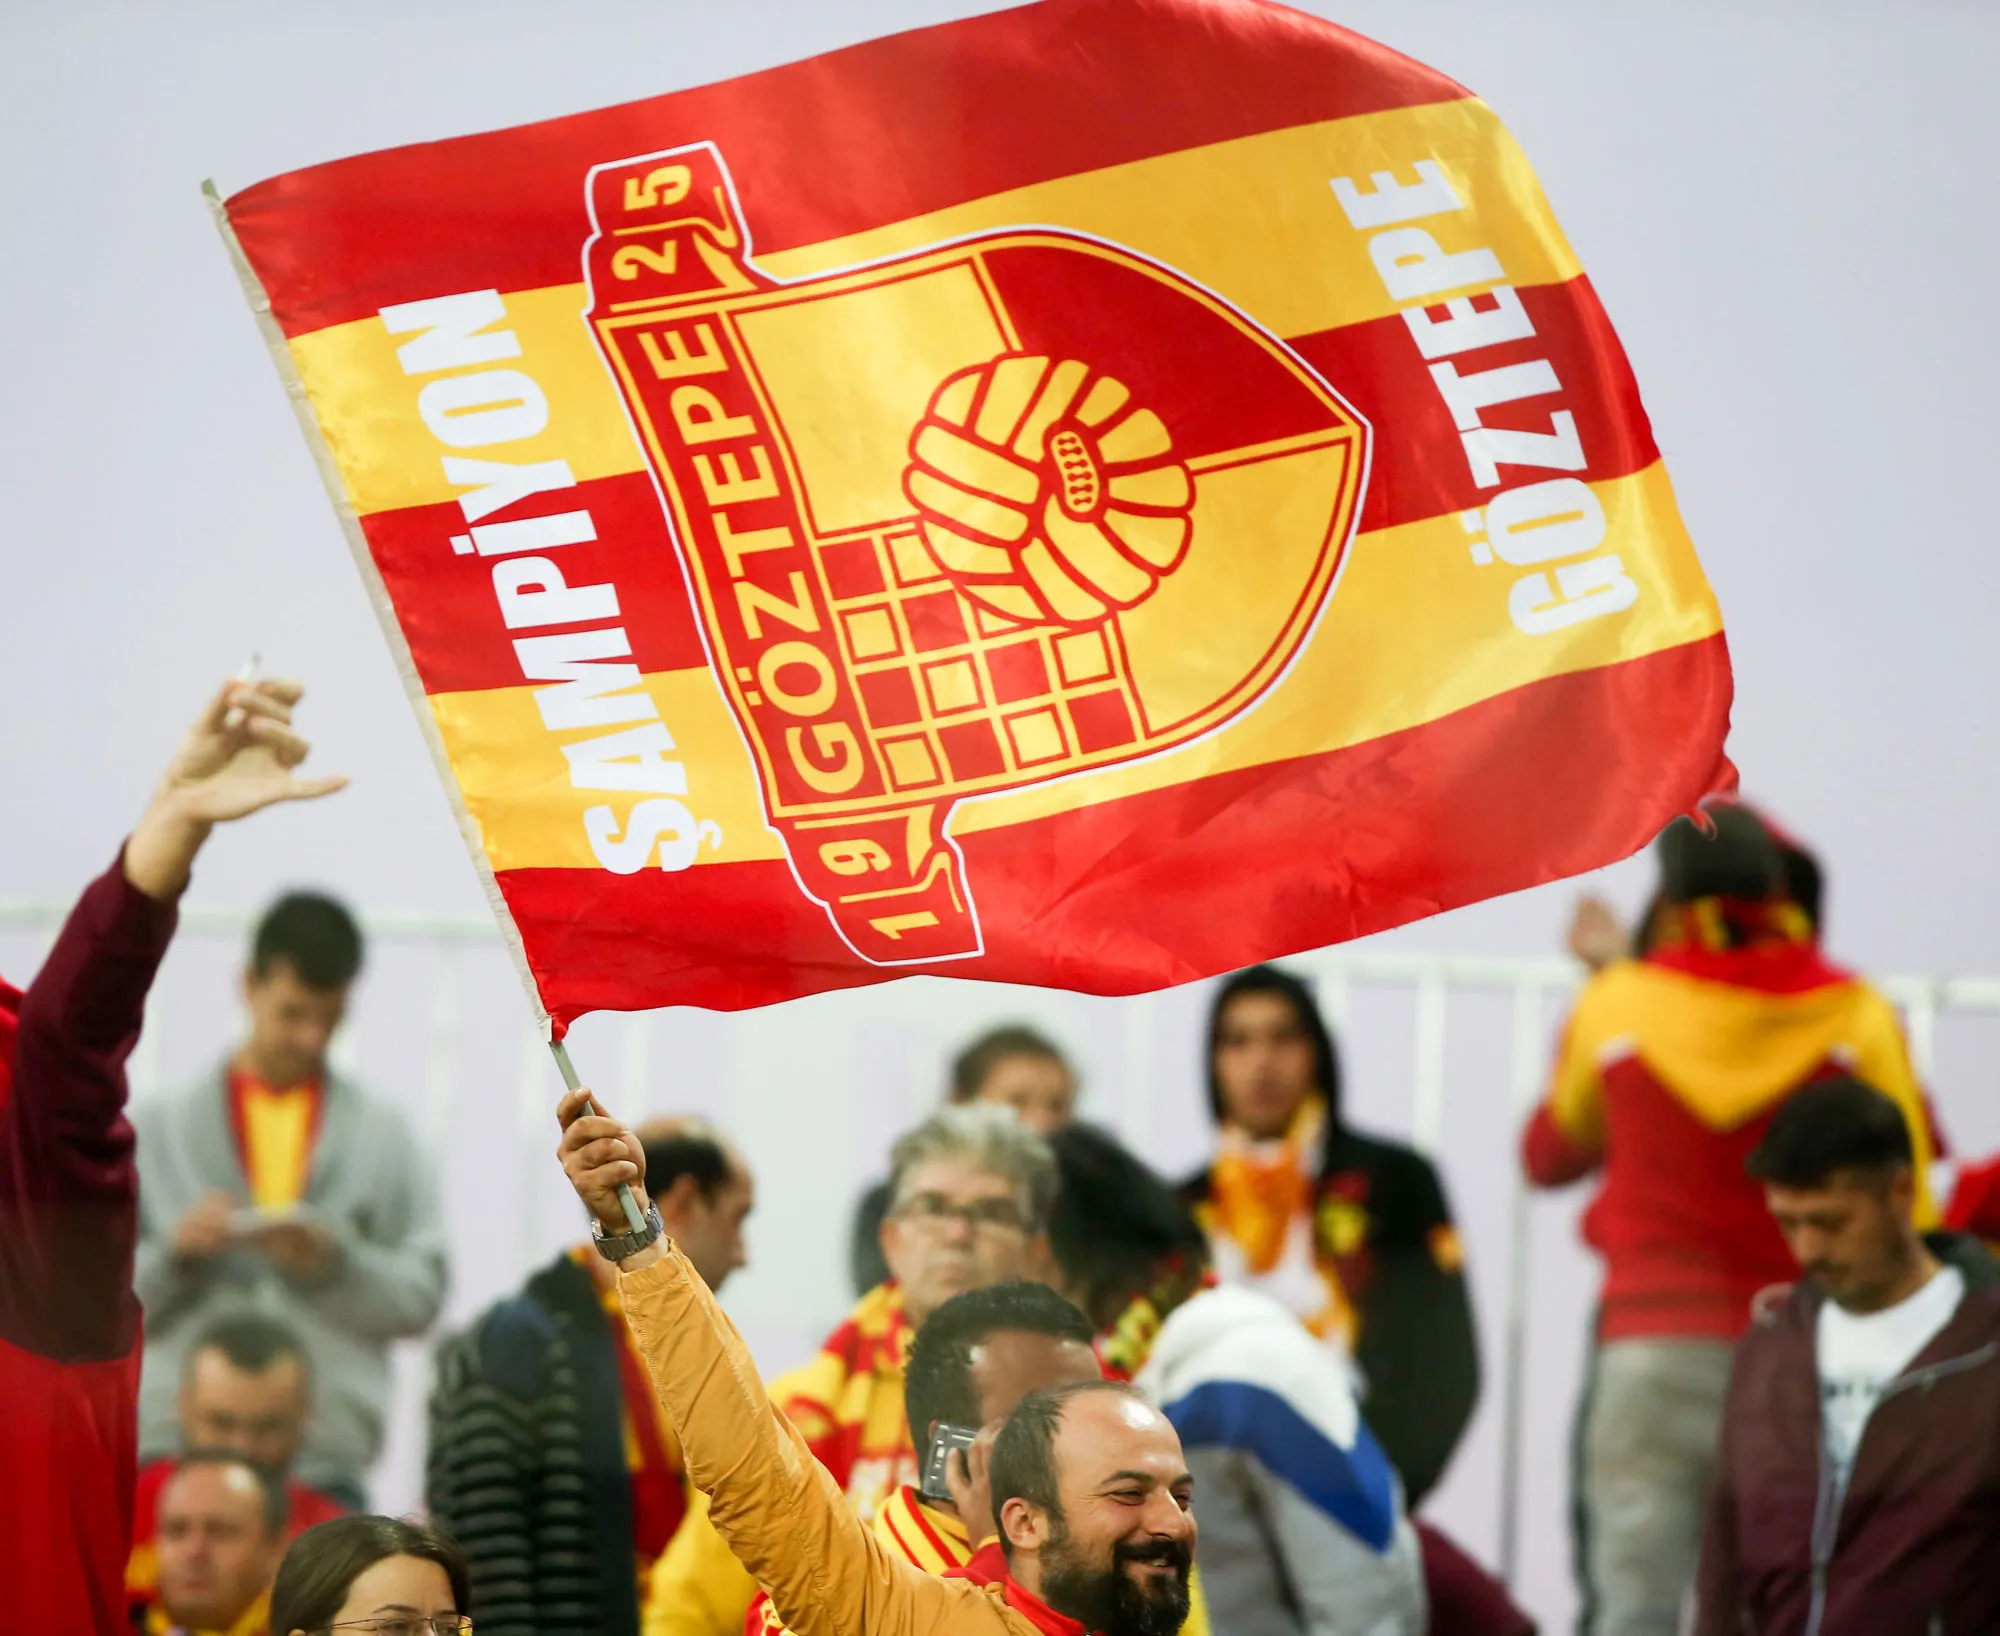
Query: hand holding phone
{"type": "Point", "coordinates": [946, 1441]}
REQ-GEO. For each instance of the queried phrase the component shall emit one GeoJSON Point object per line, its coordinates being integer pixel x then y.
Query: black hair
{"type": "Point", "coordinates": [1024, 1454]}
{"type": "Point", "coordinates": [250, 1341]}
{"type": "Point", "coordinates": [324, 1562]}
{"type": "Point", "coordinates": [1737, 859]}
{"type": "Point", "coordinates": [974, 1065]}
{"type": "Point", "coordinates": [937, 1380]}
{"type": "Point", "coordinates": [1115, 1222]}
{"type": "Point", "coordinates": [687, 1150]}
{"type": "Point", "coordinates": [312, 934]}
{"type": "Point", "coordinates": [1829, 1126]}
{"type": "Point", "coordinates": [1804, 883]}
{"type": "Point", "coordinates": [271, 1490]}
{"type": "Point", "coordinates": [1326, 1059]}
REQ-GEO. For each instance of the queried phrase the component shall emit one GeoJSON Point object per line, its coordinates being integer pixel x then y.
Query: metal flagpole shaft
{"type": "Point", "coordinates": [634, 1216]}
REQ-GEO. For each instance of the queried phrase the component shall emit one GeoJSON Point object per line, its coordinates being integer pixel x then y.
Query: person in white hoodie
{"type": "Point", "coordinates": [1303, 1526]}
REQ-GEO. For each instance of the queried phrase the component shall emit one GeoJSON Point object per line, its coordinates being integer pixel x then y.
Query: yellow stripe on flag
{"type": "Point", "coordinates": [516, 779]}
{"type": "Point", "coordinates": [1254, 219]}
{"type": "Point", "coordinates": [1415, 630]}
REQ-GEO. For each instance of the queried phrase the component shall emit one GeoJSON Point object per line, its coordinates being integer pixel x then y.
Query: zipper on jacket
{"type": "Point", "coordinates": [1830, 1498]}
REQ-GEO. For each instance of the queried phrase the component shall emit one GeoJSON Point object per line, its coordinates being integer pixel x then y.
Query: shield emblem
{"type": "Point", "coordinates": [1004, 510]}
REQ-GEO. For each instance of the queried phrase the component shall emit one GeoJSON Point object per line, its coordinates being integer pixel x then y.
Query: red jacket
{"type": "Point", "coordinates": [69, 1324]}
{"type": "Point", "coordinates": [1910, 1548]}
{"type": "Point", "coordinates": [1670, 1071]}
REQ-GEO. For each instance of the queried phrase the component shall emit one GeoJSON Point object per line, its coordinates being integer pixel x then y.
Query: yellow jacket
{"type": "Point", "coordinates": [848, 1405]}
{"type": "Point", "coordinates": [783, 1516]}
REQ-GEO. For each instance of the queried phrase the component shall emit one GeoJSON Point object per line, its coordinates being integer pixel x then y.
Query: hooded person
{"type": "Point", "coordinates": [1350, 1233]}
{"type": "Point", "coordinates": [1304, 1527]}
{"type": "Point", "coordinates": [1671, 1068]}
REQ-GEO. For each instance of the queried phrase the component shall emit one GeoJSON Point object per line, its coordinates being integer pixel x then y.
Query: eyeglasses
{"type": "Point", "coordinates": [933, 1210]}
{"type": "Point", "coordinates": [436, 1624]}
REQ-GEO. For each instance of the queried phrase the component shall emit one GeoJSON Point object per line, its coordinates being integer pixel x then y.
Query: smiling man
{"type": "Point", "coordinates": [1088, 1483]}
{"type": "Point", "coordinates": [970, 1193]}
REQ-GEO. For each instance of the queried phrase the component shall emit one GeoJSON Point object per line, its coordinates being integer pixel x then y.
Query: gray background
{"type": "Point", "coordinates": [1785, 207]}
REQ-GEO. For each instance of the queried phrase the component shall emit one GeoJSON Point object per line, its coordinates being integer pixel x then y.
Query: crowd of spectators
{"type": "Point", "coordinates": [1058, 1362]}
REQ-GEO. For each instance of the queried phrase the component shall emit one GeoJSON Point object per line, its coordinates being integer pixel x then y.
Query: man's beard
{"type": "Point", "coordinates": [1110, 1601]}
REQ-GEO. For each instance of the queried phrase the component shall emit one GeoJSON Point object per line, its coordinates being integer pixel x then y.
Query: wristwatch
{"type": "Point", "coordinates": [617, 1246]}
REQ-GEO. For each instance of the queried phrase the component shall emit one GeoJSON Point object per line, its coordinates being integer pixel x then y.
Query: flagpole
{"type": "Point", "coordinates": [634, 1216]}
{"type": "Point", "coordinates": [378, 598]}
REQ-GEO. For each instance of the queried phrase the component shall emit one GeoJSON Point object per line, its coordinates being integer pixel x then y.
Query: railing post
{"type": "Point", "coordinates": [441, 1065]}
{"type": "Point", "coordinates": [1524, 1061]}
{"type": "Point", "coordinates": [1427, 1087]}
{"type": "Point", "coordinates": [635, 1063]}
{"type": "Point", "coordinates": [535, 1109]}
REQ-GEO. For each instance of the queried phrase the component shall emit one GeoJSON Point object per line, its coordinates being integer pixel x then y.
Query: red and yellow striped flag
{"type": "Point", "coordinates": [1089, 495]}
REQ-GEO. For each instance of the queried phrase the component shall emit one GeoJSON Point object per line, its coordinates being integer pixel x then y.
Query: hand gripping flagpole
{"type": "Point", "coordinates": [413, 687]}
{"type": "Point", "coordinates": [634, 1216]}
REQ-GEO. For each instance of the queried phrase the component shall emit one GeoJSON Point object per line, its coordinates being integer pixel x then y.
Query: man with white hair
{"type": "Point", "coordinates": [970, 1193]}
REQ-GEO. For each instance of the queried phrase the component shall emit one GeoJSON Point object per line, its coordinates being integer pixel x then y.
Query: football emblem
{"type": "Point", "coordinates": [1046, 493]}
{"type": "Point", "coordinates": [961, 522]}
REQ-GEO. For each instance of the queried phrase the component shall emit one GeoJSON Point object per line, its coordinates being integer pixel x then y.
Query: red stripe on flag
{"type": "Point", "coordinates": [1419, 471]}
{"type": "Point", "coordinates": [1420, 468]}
{"type": "Point", "coordinates": [1546, 781]}
{"type": "Point", "coordinates": [837, 144]}
{"type": "Point", "coordinates": [450, 612]}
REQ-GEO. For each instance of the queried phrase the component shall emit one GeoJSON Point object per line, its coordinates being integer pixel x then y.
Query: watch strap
{"type": "Point", "coordinates": [619, 1246]}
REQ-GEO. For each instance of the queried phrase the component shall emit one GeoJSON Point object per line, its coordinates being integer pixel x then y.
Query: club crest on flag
{"type": "Point", "coordinates": [1005, 509]}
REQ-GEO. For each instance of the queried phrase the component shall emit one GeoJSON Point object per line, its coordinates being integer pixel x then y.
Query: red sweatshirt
{"type": "Point", "coordinates": [69, 1323]}
{"type": "Point", "coordinates": [1669, 1072]}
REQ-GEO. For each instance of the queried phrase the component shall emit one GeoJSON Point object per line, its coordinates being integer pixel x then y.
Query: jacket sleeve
{"type": "Point", "coordinates": [1417, 1345]}
{"type": "Point", "coordinates": [775, 1506]}
{"type": "Point", "coordinates": [389, 1280]}
{"type": "Point", "coordinates": [480, 1478]}
{"type": "Point", "coordinates": [164, 1282]}
{"type": "Point", "coordinates": [68, 1186]}
{"type": "Point", "coordinates": [1266, 1540]}
{"type": "Point", "coordinates": [697, 1587]}
{"type": "Point", "coordinates": [1564, 1140]}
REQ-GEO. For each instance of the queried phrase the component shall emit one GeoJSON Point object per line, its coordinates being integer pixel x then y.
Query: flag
{"type": "Point", "coordinates": [1089, 495]}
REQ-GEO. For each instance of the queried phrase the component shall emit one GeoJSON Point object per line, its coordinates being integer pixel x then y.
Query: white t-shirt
{"type": "Point", "coordinates": [1859, 1354]}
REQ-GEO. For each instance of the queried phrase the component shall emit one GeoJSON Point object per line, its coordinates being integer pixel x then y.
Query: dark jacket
{"type": "Point", "coordinates": [1414, 1336]}
{"type": "Point", "coordinates": [527, 1462]}
{"type": "Point", "coordinates": [866, 1264]}
{"type": "Point", "coordinates": [69, 1219]}
{"type": "Point", "coordinates": [1913, 1546]}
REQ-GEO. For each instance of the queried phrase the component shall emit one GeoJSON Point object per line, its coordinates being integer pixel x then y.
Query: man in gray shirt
{"type": "Point", "coordinates": [274, 1185]}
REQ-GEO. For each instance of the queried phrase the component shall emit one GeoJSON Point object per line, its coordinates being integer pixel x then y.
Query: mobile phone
{"type": "Point", "coordinates": [946, 1441]}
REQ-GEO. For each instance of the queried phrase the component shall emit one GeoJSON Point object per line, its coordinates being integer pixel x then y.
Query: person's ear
{"type": "Point", "coordinates": [1903, 1192]}
{"type": "Point", "coordinates": [1025, 1524]}
{"type": "Point", "coordinates": [677, 1203]}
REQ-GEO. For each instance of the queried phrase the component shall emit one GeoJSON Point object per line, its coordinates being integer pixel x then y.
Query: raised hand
{"type": "Point", "coordinates": [240, 754]}
{"type": "Point", "coordinates": [1596, 935]}
{"type": "Point", "coordinates": [599, 1153]}
{"type": "Point", "coordinates": [238, 758]}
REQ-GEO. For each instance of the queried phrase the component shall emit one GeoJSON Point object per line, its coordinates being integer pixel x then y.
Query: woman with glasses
{"type": "Point", "coordinates": [373, 1575]}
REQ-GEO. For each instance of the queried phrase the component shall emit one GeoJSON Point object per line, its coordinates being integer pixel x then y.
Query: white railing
{"type": "Point", "coordinates": [1126, 1042]}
